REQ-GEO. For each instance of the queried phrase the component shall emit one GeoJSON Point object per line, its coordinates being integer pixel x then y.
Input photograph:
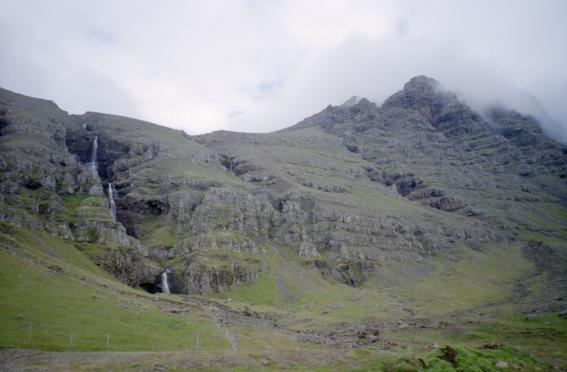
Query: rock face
{"type": "Point", "coordinates": [348, 190]}
{"type": "Point", "coordinates": [47, 187]}
{"type": "Point", "coordinates": [206, 274]}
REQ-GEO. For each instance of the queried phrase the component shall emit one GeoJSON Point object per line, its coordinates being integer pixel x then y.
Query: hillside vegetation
{"type": "Point", "coordinates": [415, 235]}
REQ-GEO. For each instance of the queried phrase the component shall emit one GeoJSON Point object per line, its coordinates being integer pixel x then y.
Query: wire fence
{"type": "Point", "coordinates": [35, 336]}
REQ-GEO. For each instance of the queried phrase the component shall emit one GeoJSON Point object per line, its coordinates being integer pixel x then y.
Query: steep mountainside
{"type": "Point", "coordinates": [420, 208]}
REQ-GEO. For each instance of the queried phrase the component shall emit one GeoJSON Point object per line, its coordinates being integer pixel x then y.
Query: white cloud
{"type": "Point", "coordinates": [261, 66]}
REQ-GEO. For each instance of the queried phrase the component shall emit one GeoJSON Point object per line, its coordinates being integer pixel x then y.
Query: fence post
{"type": "Point", "coordinates": [233, 342]}
{"type": "Point", "coordinates": [30, 332]}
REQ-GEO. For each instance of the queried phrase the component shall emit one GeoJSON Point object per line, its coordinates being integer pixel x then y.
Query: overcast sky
{"type": "Point", "coordinates": [264, 65]}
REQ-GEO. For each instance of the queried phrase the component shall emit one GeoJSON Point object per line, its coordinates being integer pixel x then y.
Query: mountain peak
{"type": "Point", "coordinates": [421, 93]}
{"type": "Point", "coordinates": [423, 84]}
{"type": "Point", "coordinates": [351, 101]}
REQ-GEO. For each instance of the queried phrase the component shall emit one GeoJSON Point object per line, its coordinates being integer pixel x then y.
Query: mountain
{"type": "Point", "coordinates": [375, 230]}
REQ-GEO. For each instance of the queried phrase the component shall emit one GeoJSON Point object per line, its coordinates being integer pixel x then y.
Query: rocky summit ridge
{"type": "Point", "coordinates": [356, 197]}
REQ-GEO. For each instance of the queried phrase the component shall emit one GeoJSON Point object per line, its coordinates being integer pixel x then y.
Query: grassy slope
{"type": "Point", "coordinates": [70, 304]}
{"type": "Point", "coordinates": [54, 298]}
{"type": "Point", "coordinates": [475, 280]}
{"type": "Point", "coordinates": [51, 287]}
{"type": "Point", "coordinates": [475, 295]}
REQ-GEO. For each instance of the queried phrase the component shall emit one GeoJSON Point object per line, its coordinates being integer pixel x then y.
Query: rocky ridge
{"type": "Point", "coordinates": [348, 190]}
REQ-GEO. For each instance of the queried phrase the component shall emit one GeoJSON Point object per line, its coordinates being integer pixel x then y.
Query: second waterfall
{"type": "Point", "coordinates": [93, 165]}
{"type": "Point", "coordinates": [111, 200]}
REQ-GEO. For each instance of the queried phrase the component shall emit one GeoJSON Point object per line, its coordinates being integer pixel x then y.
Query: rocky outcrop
{"type": "Point", "coordinates": [447, 203]}
{"type": "Point", "coordinates": [46, 184]}
{"type": "Point", "coordinates": [347, 189]}
{"type": "Point", "coordinates": [405, 183]}
{"type": "Point", "coordinates": [232, 211]}
{"type": "Point", "coordinates": [217, 271]}
{"type": "Point", "coordinates": [351, 272]}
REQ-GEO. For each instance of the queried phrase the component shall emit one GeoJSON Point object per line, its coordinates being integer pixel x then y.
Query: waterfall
{"type": "Point", "coordinates": [94, 150]}
{"type": "Point", "coordinates": [93, 165]}
{"type": "Point", "coordinates": [111, 202]}
{"type": "Point", "coordinates": [164, 282]}
{"type": "Point", "coordinates": [84, 126]}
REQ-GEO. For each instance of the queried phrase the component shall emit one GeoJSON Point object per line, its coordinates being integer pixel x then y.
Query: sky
{"type": "Point", "coordinates": [262, 65]}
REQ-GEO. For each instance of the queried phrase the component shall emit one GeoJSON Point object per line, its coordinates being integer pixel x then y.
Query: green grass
{"type": "Point", "coordinates": [477, 279]}
{"type": "Point", "coordinates": [54, 298]}
{"type": "Point", "coordinates": [262, 292]}
{"type": "Point", "coordinates": [543, 237]}
{"type": "Point", "coordinates": [155, 233]}
{"type": "Point", "coordinates": [72, 202]}
{"type": "Point", "coordinates": [544, 337]}
{"type": "Point", "coordinates": [59, 300]}
{"type": "Point", "coordinates": [83, 208]}
{"type": "Point", "coordinates": [450, 358]}
{"type": "Point", "coordinates": [70, 304]}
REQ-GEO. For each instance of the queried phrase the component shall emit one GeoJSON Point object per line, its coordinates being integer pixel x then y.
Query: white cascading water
{"type": "Point", "coordinates": [164, 282]}
{"type": "Point", "coordinates": [111, 201]}
{"type": "Point", "coordinates": [93, 165]}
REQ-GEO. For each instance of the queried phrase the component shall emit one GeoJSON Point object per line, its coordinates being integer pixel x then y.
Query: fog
{"type": "Point", "coordinates": [261, 66]}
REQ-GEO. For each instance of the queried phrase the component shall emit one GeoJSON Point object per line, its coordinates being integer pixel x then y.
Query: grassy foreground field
{"type": "Point", "coordinates": [55, 299]}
